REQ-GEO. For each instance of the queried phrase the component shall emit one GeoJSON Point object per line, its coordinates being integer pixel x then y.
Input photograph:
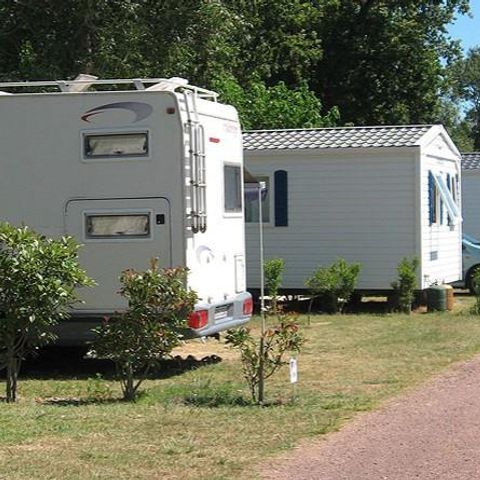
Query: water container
{"type": "Point", "coordinates": [450, 297]}
{"type": "Point", "coordinates": [436, 298]}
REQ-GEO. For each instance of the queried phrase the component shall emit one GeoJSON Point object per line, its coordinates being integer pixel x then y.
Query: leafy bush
{"type": "Point", "coordinates": [335, 284]}
{"type": "Point", "coordinates": [262, 357]}
{"type": "Point", "coordinates": [38, 277]}
{"type": "Point", "coordinates": [404, 288]}
{"type": "Point", "coordinates": [475, 281]}
{"type": "Point", "coordinates": [158, 304]}
{"type": "Point", "coordinates": [273, 270]}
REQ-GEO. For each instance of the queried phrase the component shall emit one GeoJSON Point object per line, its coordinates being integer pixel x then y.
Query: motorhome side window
{"type": "Point", "coordinates": [251, 202]}
{"type": "Point", "coordinates": [117, 226]}
{"type": "Point", "coordinates": [233, 188]}
{"type": "Point", "coordinates": [115, 145]}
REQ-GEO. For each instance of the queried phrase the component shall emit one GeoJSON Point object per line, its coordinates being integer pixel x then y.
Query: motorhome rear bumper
{"type": "Point", "coordinates": [222, 316]}
{"type": "Point", "coordinates": [77, 330]}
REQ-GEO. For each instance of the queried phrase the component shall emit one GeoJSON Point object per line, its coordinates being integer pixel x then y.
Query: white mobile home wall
{"type": "Point", "coordinates": [471, 193]}
{"type": "Point", "coordinates": [367, 205]}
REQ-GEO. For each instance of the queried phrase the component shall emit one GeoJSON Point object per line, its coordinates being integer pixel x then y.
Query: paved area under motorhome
{"type": "Point", "coordinates": [430, 433]}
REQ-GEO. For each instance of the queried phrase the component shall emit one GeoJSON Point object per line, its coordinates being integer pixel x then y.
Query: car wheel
{"type": "Point", "coordinates": [470, 275]}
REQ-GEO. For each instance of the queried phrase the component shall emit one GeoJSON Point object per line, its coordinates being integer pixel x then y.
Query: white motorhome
{"type": "Point", "coordinates": [133, 169]}
{"type": "Point", "coordinates": [371, 195]}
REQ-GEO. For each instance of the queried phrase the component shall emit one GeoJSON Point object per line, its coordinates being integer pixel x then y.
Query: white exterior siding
{"type": "Point", "coordinates": [366, 204]}
{"type": "Point", "coordinates": [358, 206]}
{"type": "Point", "coordinates": [471, 202]}
{"type": "Point", "coordinates": [441, 243]}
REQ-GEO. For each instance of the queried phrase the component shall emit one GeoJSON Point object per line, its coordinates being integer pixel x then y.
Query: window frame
{"type": "Point", "coordinates": [268, 201]}
{"type": "Point", "coordinates": [89, 158]}
{"type": "Point", "coordinates": [239, 212]}
{"type": "Point", "coordinates": [117, 238]}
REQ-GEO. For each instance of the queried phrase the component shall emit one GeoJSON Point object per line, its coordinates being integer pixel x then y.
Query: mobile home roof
{"type": "Point", "coordinates": [346, 137]}
{"type": "Point", "coordinates": [471, 161]}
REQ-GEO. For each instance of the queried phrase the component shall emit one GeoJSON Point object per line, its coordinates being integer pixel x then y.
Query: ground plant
{"type": "Point", "coordinates": [404, 287]}
{"type": "Point", "coordinates": [334, 284]}
{"type": "Point", "coordinates": [476, 291]}
{"type": "Point", "coordinates": [38, 278]}
{"type": "Point", "coordinates": [263, 355]}
{"type": "Point", "coordinates": [158, 304]}
{"type": "Point", "coordinates": [273, 270]}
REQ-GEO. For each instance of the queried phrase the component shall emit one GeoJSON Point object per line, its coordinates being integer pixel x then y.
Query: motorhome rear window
{"type": "Point", "coordinates": [117, 226]}
{"type": "Point", "coordinates": [233, 189]}
{"type": "Point", "coordinates": [116, 145]}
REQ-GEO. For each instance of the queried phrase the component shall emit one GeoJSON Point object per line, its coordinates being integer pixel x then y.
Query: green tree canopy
{"type": "Point", "coordinates": [377, 61]}
{"type": "Point", "coordinates": [381, 59]}
{"type": "Point", "coordinates": [465, 91]}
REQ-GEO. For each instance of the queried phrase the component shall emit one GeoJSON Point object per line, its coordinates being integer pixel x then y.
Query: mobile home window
{"type": "Point", "coordinates": [433, 200]}
{"type": "Point", "coordinates": [233, 189]}
{"type": "Point", "coordinates": [251, 203]}
{"type": "Point", "coordinates": [117, 226]}
{"type": "Point", "coordinates": [116, 145]}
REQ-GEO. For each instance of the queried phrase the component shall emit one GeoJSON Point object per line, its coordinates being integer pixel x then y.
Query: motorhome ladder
{"type": "Point", "coordinates": [196, 163]}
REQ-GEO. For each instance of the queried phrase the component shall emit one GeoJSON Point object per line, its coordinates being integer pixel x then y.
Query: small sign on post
{"type": "Point", "coordinates": [294, 376]}
{"type": "Point", "coordinates": [293, 370]}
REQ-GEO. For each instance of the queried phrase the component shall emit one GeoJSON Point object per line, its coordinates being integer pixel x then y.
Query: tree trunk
{"type": "Point", "coordinates": [261, 372]}
{"type": "Point", "coordinates": [12, 374]}
{"type": "Point", "coordinates": [129, 388]}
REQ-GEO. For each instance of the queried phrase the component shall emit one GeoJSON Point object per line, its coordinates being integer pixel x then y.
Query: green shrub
{"type": "Point", "coordinates": [262, 357]}
{"type": "Point", "coordinates": [475, 279]}
{"type": "Point", "coordinates": [335, 283]}
{"type": "Point", "coordinates": [404, 287]}
{"type": "Point", "coordinates": [38, 277]}
{"type": "Point", "coordinates": [273, 270]}
{"type": "Point", "coordinates": [158, 304]}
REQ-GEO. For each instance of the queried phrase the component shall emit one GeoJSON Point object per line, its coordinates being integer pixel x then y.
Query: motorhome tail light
{"type": "Point", "coordinates": [248, 306]}
{"type": "Point", "coordinates": [198, 319]}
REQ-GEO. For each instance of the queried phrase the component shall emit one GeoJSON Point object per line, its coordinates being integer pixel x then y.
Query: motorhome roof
{"type": "Point", "coordinates": [140, 84]}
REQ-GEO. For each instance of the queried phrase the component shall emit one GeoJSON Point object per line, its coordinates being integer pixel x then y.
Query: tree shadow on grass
{"type": "Point", "coordinates": [369, 305]}
{"type": "Point", "coordinates": [67, 363]}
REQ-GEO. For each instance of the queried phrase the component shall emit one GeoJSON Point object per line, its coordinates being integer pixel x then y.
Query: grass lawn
{"type": "Point", "coordinates": [192, 424]}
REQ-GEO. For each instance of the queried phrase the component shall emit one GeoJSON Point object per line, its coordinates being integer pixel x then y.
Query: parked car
{"type": "Point", "coordinates": [471, 259]}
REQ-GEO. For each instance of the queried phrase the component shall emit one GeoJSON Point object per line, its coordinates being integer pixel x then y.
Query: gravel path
{"type": "Point", "coordinates": [430, 433]}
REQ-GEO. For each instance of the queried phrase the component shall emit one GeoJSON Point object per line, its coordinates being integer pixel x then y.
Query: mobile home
{"type": "Point", "coordinates": [371, 195]}
{"type": "Point", "coordinates": [471, 193]}
{"type": "Point", "coordinates": [133, 169]}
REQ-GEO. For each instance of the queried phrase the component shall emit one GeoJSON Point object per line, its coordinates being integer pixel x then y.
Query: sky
{"type": "Point", "coordinates": [466, 28]}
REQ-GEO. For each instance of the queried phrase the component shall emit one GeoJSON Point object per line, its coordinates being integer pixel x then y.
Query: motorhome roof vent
{"type": "Point", "coordinates": [80, 83]}
{"type": "Point", "coordinates": [169, 85]}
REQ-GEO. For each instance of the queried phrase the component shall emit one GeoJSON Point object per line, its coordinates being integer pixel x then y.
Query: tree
{"type": "Point", "coordinates": [38, 277]}
{"type": "Point", "coordinates": [262, 107]}
{"type": "Point", "coordinates": [453, 119]}
{"type": "Point", "coordinates": [158, 304]}
{"type": "Point", "coordinates": [465, 77]}
{"type": "Point", "coordinates": [381, 59]}
{"type": "Point", "coordinates": [262, 357]}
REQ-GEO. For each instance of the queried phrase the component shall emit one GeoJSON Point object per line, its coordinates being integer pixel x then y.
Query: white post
{"type": "Point", "coordinates": [261, 186]}
{"type": "Point", "coordinates": [261, 380]}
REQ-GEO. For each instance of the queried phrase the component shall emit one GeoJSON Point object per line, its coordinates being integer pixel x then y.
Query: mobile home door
{"type": "Point", "coordinates": [117, 234]}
